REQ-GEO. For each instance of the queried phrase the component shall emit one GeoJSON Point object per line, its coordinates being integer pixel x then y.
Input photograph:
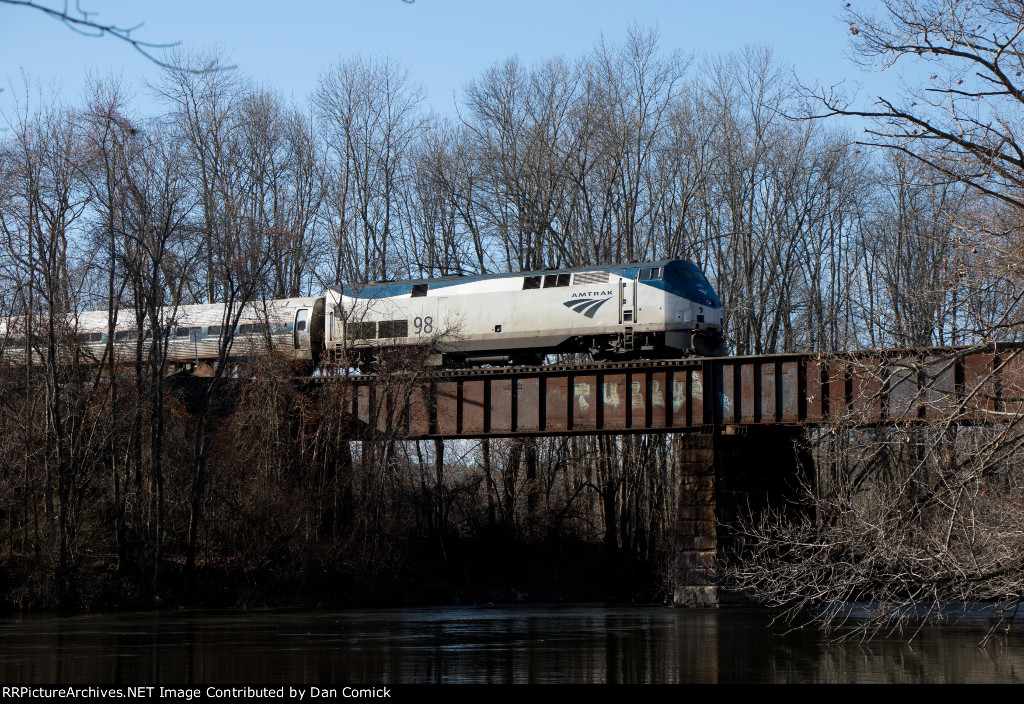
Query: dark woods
{"type": "Point", "coordinates": [120, 486]}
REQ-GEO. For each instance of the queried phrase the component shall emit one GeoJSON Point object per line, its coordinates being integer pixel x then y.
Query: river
{"type": "Point", "coordinates": [590, 644]}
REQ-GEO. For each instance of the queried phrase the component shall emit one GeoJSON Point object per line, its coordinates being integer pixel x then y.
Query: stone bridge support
{"type": "Point", "coordinates": [724, 473]}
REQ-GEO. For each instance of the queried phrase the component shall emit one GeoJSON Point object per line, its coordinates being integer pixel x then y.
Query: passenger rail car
{"type": "Point", "coordinates": [293, 327]}
{"type": "Point", "coordinates": [651, 309]}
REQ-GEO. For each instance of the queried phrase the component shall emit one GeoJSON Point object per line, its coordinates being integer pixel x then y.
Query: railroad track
{"type": "Point", "coordinates": [531, 370]}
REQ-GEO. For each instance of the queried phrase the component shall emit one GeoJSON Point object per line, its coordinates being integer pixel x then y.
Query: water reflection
{"type": "Point", "coordinates": [526, 644]}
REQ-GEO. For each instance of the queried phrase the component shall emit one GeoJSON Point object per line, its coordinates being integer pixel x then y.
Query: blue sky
{"type": "Point", "coordinates": [444, 43]}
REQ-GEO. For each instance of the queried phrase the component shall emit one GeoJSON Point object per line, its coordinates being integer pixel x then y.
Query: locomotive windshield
{"type": "Point", "coordinates": [689, 281]}
{"type": "Point", "coordinates": [686, 274]}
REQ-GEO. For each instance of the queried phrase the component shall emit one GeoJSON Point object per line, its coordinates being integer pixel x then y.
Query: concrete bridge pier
{"type": "Point", "coordinates": [726, 471]}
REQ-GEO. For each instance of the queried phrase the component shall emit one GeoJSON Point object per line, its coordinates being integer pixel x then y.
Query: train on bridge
{"type": "Point", "coordinates": [649, 310]}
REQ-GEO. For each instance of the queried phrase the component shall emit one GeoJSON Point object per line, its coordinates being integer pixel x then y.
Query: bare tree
{"type": "Point", "coordinates": [638, 88]}
{"type": "Point", "coordinates": [87, 22]}
{"type": "Point", "coordinates": [913, 248]}
{"type": "Point", "coordinates": [39, 228]}
{"type": "Point", "coordinates": [898, 526]}
{"type": "Point", "coordinates": [203, 96]}
{"type": "Point", "coordinates": [280, 186]}
{"type": "Point", "coordinates": [369, 112]}
{"type": "Point", "coordinates": [108, 138]}
{"type": "Point", "coordinates": [159, 257]}
{"type": "Point", "coordinates": [960, 111]}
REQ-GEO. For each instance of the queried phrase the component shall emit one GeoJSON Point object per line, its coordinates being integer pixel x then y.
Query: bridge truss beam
{"type": "Point", "coordinates": [970, 384]}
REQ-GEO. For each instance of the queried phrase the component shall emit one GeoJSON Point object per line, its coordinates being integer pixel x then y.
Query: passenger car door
{"type": "Point", "coordinates": [301, 335]}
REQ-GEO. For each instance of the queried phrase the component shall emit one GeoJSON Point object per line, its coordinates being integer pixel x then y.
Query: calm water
{"type": "Point", "coordinates": [521, 644]}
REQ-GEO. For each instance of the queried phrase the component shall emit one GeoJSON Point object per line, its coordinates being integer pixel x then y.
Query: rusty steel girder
{"type": "Point", "coordinates": [961, 384]}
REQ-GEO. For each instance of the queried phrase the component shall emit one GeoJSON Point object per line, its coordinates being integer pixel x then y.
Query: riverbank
{"type": "Point", "coordinates": [421, 572]}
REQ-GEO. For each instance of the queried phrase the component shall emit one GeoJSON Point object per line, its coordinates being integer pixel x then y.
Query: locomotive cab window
{"type": "Point", "coordinates": [419, 290]}
{"type": "Point", "coordinates": [647, 274]}
{"type": "Point", "coordinates": [552, 280]}
{"type": "Point", "coordinates": [531, 282]}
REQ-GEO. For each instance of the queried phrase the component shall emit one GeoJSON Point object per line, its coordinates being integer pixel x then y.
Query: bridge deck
{"type": "Point", "coordinates": [968, 384]}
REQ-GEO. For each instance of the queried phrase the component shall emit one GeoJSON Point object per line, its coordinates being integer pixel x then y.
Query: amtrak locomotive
{"type": "Point", "coordinates": [653, 309]}
{"type": "Point", "coordinates": [664, 309]}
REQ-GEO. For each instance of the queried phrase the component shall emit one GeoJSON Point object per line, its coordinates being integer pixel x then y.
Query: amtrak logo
{"type": "Point", "coordinates": [586, 306]}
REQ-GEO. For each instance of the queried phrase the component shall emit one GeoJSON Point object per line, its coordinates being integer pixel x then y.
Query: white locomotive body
{"type": "Point", "coordinates": [651, 309]}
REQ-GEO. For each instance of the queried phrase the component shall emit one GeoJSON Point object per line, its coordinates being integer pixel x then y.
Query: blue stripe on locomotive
{"type": "Point", "coordinates": [686, 287]}
{"type": "Point", "coordinates": [671, 281]}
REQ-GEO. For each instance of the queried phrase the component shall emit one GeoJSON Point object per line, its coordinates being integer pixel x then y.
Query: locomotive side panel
{"type": "Point", "coordinates": [499, 314]}
{"type": "Point", "coordinates": [652, 309]}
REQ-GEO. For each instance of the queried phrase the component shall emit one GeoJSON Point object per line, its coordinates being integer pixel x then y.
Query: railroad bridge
{"type": "Point", "coordinates": [739, 416]}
